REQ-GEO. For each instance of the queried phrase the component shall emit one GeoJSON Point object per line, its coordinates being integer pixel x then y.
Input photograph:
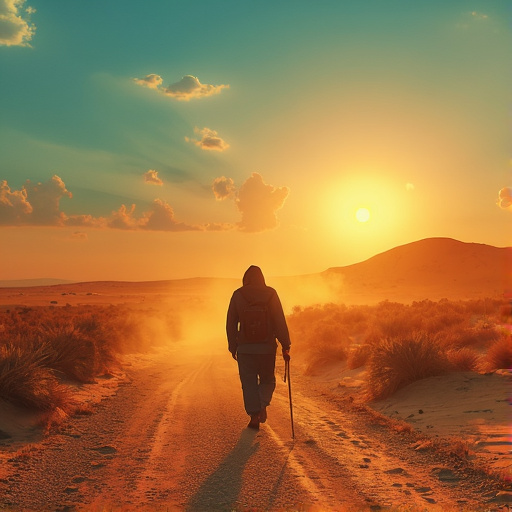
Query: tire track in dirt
{"type": "Point", "coordinates": [152, 435]}
{"type": "Point", "coordinates": [174, 439]}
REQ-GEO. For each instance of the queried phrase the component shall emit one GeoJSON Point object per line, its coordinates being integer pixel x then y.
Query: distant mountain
{"type": "Point", "coordinates": [431, 268]}
{"type": "Point", "coordinates": [24, 283]}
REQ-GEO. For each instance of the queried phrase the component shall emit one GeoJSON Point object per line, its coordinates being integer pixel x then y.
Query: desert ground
{"type": "Point", "coordinates": [169, 434]}
{"type": "Point", "coordinates": [166, 430]}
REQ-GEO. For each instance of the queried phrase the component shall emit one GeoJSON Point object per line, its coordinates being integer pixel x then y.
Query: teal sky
{"type": "Point", "coordinates": [399, 107]}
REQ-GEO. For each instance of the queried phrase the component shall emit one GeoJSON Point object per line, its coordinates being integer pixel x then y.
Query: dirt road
{"type": "Point", "coordinates": [173, 438]}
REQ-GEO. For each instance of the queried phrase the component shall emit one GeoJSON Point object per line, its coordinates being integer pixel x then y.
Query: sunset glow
{"type": "Point", "coordinates": [330, 133]}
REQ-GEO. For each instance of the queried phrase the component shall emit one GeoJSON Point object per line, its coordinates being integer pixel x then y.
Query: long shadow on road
{"type": "Point", "coordinates": [221, 489]}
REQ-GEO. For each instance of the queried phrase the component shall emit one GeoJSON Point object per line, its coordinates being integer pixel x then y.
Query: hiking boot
{"type": "Point", "coordinates": [263, 414]}
{"type": "Point", "coordinates": [255, 421]}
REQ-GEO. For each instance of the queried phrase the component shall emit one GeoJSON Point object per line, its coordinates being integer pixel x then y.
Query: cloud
{"type": "Point", "coordinates": [219, 226]}
{"type": "Point", "coordinates": [479, 15]}
{"type": "Point", "coordinates": [505, 198]}
{"type": "Point", "coordinates": [14, 29]}
{"type": "Point", "coordinates": [187, 88]}
{"type": "Point", "coordinates": [209, 140]}
{"type": "Point", "coordinates": [14, 206]}
{"type": "Point", "coordinates": [39, 205]}
{"type": "Point", "coordinates": [471, 19]}
{"type": "Point", "coordinates": [257, 201]}
{"type": "Point", "coordinates": [258, 204]}
{"type": "Point", "coordinates": [161, 218]}
{"type": "Point", "coordinates": [123, 218]}
{"type": "Point", "coordinates": [84, 221]}
{"type": "Point", "coordinates": [45, 201]}
{"type": "Point", "coordinates": [190, 87]}
{"type": "Point", "coordinates": [223, 188]}
{"type": "Point", "coordinates": [151, 81]}
{"type": "Point", "coordinates": [152, 178]}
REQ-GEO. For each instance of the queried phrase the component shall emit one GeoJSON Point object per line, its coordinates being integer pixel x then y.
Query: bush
{"type": "Point", "coordinates": [478, 336]}
{"type": "Point", "coordinates": [499, 355]}
{"type": "Point", "coordinates": [26, 381]}
{"type": "Point", "coordinates": [69, 352]}
{"type": "Point", "coordinates": [397, 362]}
{"type": "Point", "coordinates": [358, 356]}
{"type": "Point", "coordinates": [464, 359]}
{"type": "Point", "coordinates": [40, 345]}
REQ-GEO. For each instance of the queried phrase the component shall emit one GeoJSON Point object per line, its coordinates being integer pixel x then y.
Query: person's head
{"type": "Point", "coordinates": [253, 275]}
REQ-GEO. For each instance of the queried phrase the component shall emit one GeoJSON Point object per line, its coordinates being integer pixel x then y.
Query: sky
{"type": "Point", "coordinates": [163, 140]}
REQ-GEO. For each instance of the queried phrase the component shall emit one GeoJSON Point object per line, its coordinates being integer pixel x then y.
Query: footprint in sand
{"type": "Point", "coordinates": [79, 479]}
{"type": "Point", "coordinates": [396, 471]}
{"type": "Point", "coordinates": [445, 475]}
{"type": "Point", "coordinates": [105, 450]}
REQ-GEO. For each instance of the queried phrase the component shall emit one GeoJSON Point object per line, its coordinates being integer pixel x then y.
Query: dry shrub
{"type": "Point", "coordinates": [443, 320]}
{"type": "Point", "coordinates": [26, 381]}
{"type": "Point", "coordinates": [499, 355]}
{"type": "Point", "coordinates": [397, 362]}
{"type": "Point", "coordinates": [358, 356]}
{"type": "Point", "coordinates": [464, 359]}
{"type": "Point", "coordinates": [399, 324]}
{"type": "Point", "coordinates": [69, 352]}
{"type": "Point", "coordinates": [40, 345]}
{"type": "Point", "coordinates": [100, 329]}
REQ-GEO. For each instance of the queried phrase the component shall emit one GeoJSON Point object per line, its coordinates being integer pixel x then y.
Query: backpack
{"type": "Point", "coordinates": [255, 319]}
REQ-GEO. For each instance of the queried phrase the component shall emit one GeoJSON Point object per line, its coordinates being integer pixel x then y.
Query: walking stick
{"type": "Point", "coordinates": [287, 376]}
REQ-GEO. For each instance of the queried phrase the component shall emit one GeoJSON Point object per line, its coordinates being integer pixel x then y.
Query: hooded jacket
{"type": "Point", "coordinates": [254, 289]}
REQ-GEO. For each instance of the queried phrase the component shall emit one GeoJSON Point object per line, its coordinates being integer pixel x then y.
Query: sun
{"type": "Point", "coordinates": [363, 214]}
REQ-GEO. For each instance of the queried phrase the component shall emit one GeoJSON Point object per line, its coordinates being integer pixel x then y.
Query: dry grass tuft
{"type": "Point", "coordinates": [69, 352]}
{"type": "Point", "coordinates": [26, 381]}
{"type": "Point", "coordinates": [397, 362]}
{"type": "Point", "coordinates": [464, 359]}
{"type": "Point", "coordinates": [42, 349]}
{"type": "Point", "coordinates": [499, 355]}
{"type": "Point", "coordinates": [457, 336]}
{"type": "Point", "coordinates": [358, 356]}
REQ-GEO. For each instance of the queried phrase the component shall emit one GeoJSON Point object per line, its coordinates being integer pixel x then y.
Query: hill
{"type": "Point", "coordinates": [432, 268]}
{"type": "Point", "coordinates": [24, 283]}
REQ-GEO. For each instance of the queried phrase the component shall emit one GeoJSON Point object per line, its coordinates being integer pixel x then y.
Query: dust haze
{"type": "Point", "coordinates": [196, 316]}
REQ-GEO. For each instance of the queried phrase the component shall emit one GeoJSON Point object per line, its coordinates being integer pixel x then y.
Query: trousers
{"type": "Point", "coordinates": [258, 380]}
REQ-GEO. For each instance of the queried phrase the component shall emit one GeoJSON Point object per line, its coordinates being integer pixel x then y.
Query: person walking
{"type": "Point", "coordinates": [255, 319]}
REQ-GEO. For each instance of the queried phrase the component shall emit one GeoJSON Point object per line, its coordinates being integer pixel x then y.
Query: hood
{"type": "Point", "coordinates": [253, 275]}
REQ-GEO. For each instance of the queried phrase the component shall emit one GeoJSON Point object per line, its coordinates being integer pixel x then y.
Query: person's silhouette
{"type": "Point", "coordinates": [255, 320]}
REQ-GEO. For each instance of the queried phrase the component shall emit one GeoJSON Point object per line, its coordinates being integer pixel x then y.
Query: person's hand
{"type": "Point", "coordinates": [286, 355]}
{"type": "Point", "coordinates": [233, 355]}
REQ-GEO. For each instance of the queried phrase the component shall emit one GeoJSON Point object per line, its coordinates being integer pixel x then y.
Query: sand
{"type": "Point", "coordinates": [464, 406]}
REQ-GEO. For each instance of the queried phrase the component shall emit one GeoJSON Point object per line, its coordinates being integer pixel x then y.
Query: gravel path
{"type": "Point", "coordinates": [173, 438]}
